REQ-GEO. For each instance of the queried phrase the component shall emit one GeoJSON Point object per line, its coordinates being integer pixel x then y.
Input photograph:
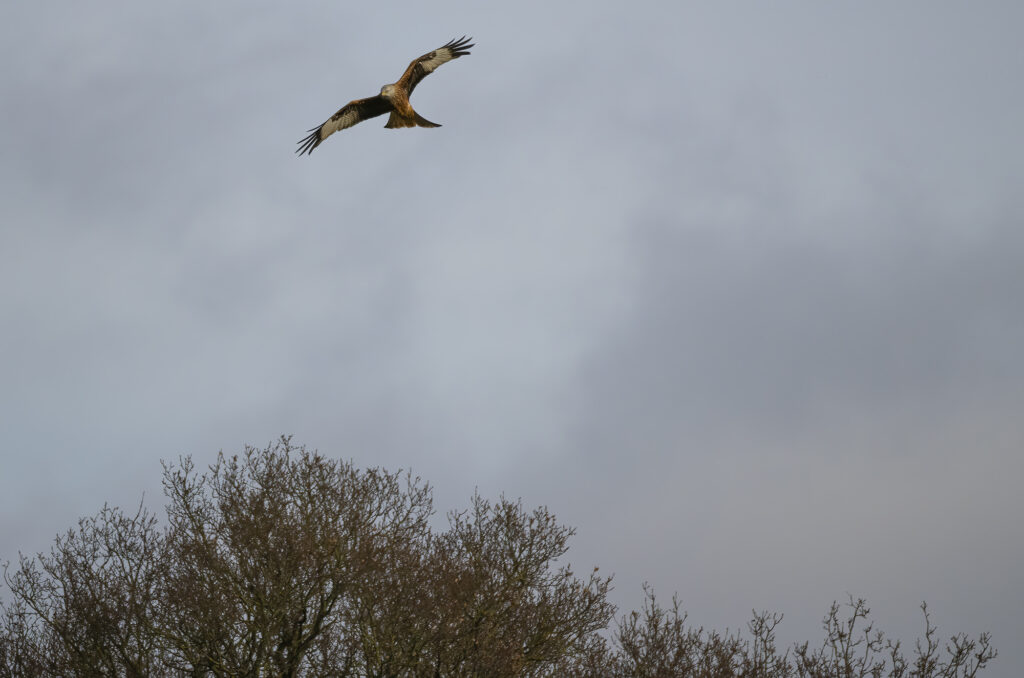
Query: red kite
{"type": "Point", "coordinates": [392, 99]}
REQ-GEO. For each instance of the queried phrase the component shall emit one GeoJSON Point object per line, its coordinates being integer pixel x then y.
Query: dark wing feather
{"type": "Point", "coordinates": [350, 114]}
{"type": "Point", "coordinates": [425, 65]}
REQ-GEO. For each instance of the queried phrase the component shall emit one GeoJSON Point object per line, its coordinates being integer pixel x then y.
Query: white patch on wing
{"type": "Point", "coordinates": [329, 128]}
{"type": "Point", "coordinates": [348, 119]}
{"type": "Point", "coordinates": [343, 121]}
{"type": "Point", "coordinates": [441, 56]}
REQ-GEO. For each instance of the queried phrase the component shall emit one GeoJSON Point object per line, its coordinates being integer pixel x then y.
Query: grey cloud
{"type": "Point", "coordinates": [735, 291]}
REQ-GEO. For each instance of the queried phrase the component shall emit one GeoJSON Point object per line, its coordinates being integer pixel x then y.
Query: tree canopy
{"type": "Point", "coordinates": [283, 562]}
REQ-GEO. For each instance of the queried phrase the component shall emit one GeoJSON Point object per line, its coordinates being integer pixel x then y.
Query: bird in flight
{"type": "Point", "coordinates": [393, 99]}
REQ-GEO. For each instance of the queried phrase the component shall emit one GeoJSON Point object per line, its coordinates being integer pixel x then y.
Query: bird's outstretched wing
{"type": "Point", "coordinates": [425, 65]}
{"type": "Point", "coordinates": [350, 114]}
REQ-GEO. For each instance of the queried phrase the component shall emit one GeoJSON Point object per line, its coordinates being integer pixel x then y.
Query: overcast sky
{"type": "Point", "coordinates": [736, 290]}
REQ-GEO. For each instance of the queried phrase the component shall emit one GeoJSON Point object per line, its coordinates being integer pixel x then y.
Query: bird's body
{"type": "Point", "coordinates": [393, 98]}
{"type": "Point", "coordinates": [402, 114]}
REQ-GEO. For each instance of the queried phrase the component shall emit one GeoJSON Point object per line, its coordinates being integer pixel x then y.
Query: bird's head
{"type": "Point", "coordinates": [387, 91]}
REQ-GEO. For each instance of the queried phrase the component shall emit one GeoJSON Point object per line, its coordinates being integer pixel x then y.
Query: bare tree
{"type": "Point", "coordinates": [281, 562]}
{"type": "Point", "coordinates": [267, 552]}
{"type": "Point", "coordinates": [505, 609]}
{"type": "Point", "coordinates": [656, 642]}
{"type": "Point", "coordinates": [853, 648]}
{"type": "Point", "coordinates": [86, 606]}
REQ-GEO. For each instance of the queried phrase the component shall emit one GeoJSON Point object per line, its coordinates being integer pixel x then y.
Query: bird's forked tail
{"type": "Point", "coordinates": [417, 120]}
